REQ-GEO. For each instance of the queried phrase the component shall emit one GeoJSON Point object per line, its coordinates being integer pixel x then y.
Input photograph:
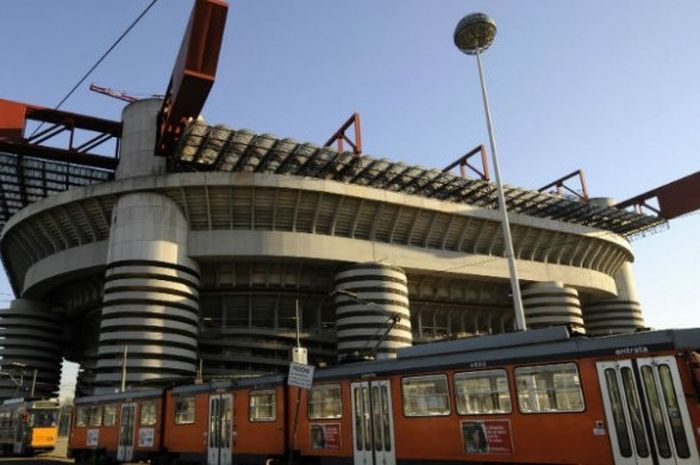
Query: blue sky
{"type": "Point", "coordinates": [610, 87]}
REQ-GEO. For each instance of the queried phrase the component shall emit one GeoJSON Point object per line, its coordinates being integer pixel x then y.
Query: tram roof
{"type": "Point", "coordinates": [120, 396]}
{"type": "Point", "coordinates": [530, 346]}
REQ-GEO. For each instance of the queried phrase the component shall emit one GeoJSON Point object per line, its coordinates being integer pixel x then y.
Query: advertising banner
{"type": "Point", "coordinates": [487, 437]}
{"type": "Point", "coordinates": [92, 437]}
{"type": "Point", "coordinates": [146, 437]}
{"type": "Point", "coordinates": [325, 436]}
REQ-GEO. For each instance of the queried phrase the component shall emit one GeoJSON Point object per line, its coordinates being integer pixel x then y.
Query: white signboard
{"type": "Point", "coordinates": [300, 375]}
{"type": "Point", "coordinates": [146, 437]}
{"type": "Point", "coordinates": [92, 437]}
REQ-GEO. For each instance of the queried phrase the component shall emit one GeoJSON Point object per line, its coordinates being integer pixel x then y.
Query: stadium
{"type": "Point", "coordinates": [206, 252]}
{"type": "Point", "coordinates": [209, 254]}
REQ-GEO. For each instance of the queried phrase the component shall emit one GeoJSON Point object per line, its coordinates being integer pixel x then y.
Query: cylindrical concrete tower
{"type": "Point", "coordinates": [151, 302]}
{"type": "Point", "coordinates": [622, 314]}
{"type": "Point", "coordinates": [139, 126]}
{"type": "Point", "coordinates": [151, 299]}
{"type": "Point", "coordinates": [31, 342]}
{"type": "Point", "coordinates": [365, 320]}
{"type": "Point", "coordinates": [552, 304]}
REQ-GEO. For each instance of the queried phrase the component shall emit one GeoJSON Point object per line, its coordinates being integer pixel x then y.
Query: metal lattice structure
{"type": "Point", "coordinates": [25, 179]}
{"type": "Point", "coordinates": [219, 148]}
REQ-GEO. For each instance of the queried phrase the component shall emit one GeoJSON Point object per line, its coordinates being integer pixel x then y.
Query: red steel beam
{"type": "Point", "coordinates": [559, 184]}
{"type": "Point", "coordinates": [13, 122]}
{"type": "Point", "coordinates": [675, 198]}
{"type": "Point", "coordinates": [194, 72]}
{"type": "Point", "coordinates": [340, 135]}
{"type": "Point", "coordinates": [463, 163]}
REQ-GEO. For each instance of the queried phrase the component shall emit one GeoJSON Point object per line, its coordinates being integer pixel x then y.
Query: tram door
{"type": "Point", "coordinates": [20, 432]}
{"type": "Point", "coordinates": [645, 409]}
{"type": "Point", "coordinates": [220, 429]}
{"type": "Point", "coordinates": [125, 445]}
{"type": "Point", "coordinates": [373, 424]}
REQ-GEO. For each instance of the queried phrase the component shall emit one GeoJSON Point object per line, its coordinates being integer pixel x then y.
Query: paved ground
{"type": "Point", "coordinates": [39, 460]}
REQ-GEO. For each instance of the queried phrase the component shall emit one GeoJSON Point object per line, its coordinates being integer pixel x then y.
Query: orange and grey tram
{"type": "Point", "coordinates": [537, 397]}
{"type": "Point", "coordinates": [28, 426]}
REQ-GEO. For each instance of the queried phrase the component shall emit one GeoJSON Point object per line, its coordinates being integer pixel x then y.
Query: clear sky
{"type": "Point", "coordinates": [610, 87]}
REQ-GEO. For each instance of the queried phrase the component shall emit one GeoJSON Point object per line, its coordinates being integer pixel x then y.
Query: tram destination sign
{"type": "Point", "coordinates": [300, 375]}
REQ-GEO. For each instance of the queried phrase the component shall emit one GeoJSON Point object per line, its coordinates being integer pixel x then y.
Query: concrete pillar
{"type": "Point", "coordinates": [361, 323]}
{"type": "Point", "coordinates": [552, 304]}
{"type": "Point", "coordinates": [622, 314]}
{"type": "Point", "coordinates": [139, 125]}
{"type": "Point", "coordinates": [151, 299]}
{"type": "Point", "coordinates": [32, 340]}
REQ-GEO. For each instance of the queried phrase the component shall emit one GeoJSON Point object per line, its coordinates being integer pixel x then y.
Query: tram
{"type": "Point", "coordinates": [28, 427]}
{"type": "Point", "coordinates": [538, 397]}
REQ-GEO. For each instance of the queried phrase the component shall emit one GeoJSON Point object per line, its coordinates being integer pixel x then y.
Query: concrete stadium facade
{"type": "Point", "coordinates": [182, 268]}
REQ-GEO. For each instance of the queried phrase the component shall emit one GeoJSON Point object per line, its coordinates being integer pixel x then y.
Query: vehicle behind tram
{"type": "Point", "coordinates": [537, 397]}
{"type": "Point", "coordinates": [28, 427]}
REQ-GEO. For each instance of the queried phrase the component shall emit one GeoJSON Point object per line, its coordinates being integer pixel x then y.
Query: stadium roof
{"type": "Point", "coordinates": [219, 148]}
{"type": "Point", "coordinates": [25, 179]}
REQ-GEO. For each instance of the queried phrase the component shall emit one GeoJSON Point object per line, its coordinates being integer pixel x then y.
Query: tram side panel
{"type": "Point", "coordinates": [93, 428]}
{"type": "Point", "coordinates": [439, 417]}
{"type": "Point", "coordinates": [259, 423]}
{"type": "Point", "coordinates": [571, 427]}
{"type": "Point", "coordinates": [147, 442]}
{"type": "Point", "coordinates": [689, 369]}
{"type": "Point", "coordinates": [185, 425]}
{"type": "Point", "coordinates": [324, 430]}
{"type": "Point", "coordinates": [120, 429]}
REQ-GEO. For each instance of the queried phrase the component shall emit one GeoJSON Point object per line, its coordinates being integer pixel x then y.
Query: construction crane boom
{"type": "Point", "coordinates": [118, 94]}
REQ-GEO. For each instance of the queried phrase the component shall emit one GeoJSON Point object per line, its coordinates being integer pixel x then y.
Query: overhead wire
{"type": "Point", "coordinates": [100, 60]}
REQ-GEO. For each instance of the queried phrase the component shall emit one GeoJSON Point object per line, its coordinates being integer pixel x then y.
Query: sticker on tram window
{"type": "Point", "coordinates": [146, 437]}
{"type": "Point", "coordinates": [92, 437]}
{"type": "Point", "coordinates": [487, 437]}
{"type": "Point", "coordinates": [325, 436]}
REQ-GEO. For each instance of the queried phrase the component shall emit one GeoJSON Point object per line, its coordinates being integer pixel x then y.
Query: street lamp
{"type": "Point", "coordinates": [474, 34]}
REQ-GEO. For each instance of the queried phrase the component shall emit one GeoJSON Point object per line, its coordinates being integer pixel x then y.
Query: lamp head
{"type": "Point", "coordinates": [475, 32]}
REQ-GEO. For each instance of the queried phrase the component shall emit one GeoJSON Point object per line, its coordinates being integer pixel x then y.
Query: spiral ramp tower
{"type": "Point", "coordinates": [31, 342]}
{"type": "Point", "coordinates": [552, 304]}
{"type": "Point", "coordinates": [372, 311]}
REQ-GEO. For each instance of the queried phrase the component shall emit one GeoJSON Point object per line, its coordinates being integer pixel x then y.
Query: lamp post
{"type": "Point", "coordinates": [474, 34]}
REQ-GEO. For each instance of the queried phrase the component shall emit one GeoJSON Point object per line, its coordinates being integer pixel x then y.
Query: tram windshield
{"type": "Point", "coordinates": [42, 418]}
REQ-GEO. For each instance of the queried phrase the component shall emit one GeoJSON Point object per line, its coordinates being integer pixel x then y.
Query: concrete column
{"type": "Point", "coordinates": [361, 323]}
{"type": "Point", "coordinates": [32, 340]}
{"type": "Point", "coordinates": [151, 299]}
{"type": "Point", "coordinates": [552, 304]}
{"type": "Point", "coordinates": [623, 314]}
{"type": "Point", "coordinates": [139, 125]}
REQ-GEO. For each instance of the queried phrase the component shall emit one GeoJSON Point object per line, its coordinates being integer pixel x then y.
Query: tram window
{"type": "Point", "coordinates": [263, 405]}
{"type": "Point", "coordinates": [482, 392]}
{"type": "Point", "coordinates": [148, 413]}
{"type": "Point", "coordinates": [184, 410]}
{"type": "Point", "coordinates": [324, 402]}
{"type": "Point", "coordinates": [81, 416]}
{"type": "Point", "coordinates": [635, 411]}
{"type": "Point", "coordinates": [109, 417]}
{"type": "Point", "coordinates": [95, 415]}
{"type": "Point", "coordinates": [674, 412]}
{"type": "Point", "coordinates": [621, 430]}
{"type": "Point", "coordinates": [657, 420]}
{"type": "Point", "coordinates": [549, 388]}
{"type": "Point", "coordinates": [425, 396]}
